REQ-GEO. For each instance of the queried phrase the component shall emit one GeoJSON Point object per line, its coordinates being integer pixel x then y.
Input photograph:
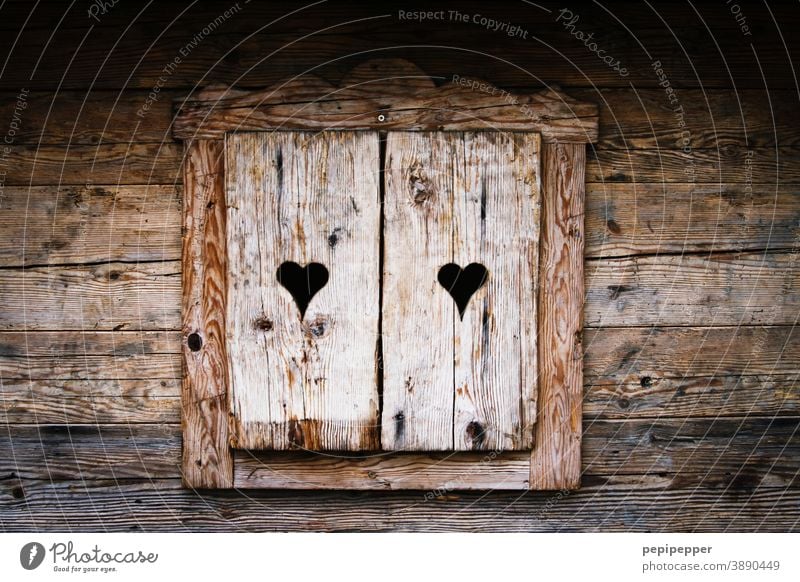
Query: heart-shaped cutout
{"type": "Point", "coordinates": [462, 283]}
{"type": "Point", "coordinates": [302, 282]}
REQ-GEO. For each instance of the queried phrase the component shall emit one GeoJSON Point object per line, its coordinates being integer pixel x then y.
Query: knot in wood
{"type": "Point", "coordinates": [419, 184]}
{"type": "Point", "coordinates": [317, 328]}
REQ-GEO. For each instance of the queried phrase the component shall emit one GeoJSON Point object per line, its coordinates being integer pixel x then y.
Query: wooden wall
{"type": "Point", "coordinates": [691, 370]}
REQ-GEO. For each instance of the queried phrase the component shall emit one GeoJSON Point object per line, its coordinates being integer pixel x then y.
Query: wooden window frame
{"type": "Point", "coordinates": [383, 95]}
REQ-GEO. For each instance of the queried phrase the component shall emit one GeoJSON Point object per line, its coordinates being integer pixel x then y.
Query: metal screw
{"type": "Point", "coordinates": [381, 118]}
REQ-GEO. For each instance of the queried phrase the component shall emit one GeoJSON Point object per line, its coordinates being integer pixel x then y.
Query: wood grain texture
{"type": "Point", "coordinates": [362, 103]}
{"type": "Point", "coordinates": [634, 219]}
{"type": "Point", "coordinates": [622, 355]}
{"type": "Point", "coordinates": [717, 289]}
{"type": "Point", "coordinates": [206, 460]}
{"type": "Point", "coordinates": [89, 117]}
{"type": "Point", "coordinates": [104, 296]}
{"type": "Point", "coordinates": [556, 456]}
{"type": "Point", "coordinates": [120, 164]}
{"type": "Point", "coordinates": [621, 505]}
{"type": "Point", "coordinates": [307, 382]}
{"type": "Point", "coordinates": [441, 473]}
{"type": "Point", "coordinates": [57, 225]}
{"type": "Point", "coordinates": [452, 382]}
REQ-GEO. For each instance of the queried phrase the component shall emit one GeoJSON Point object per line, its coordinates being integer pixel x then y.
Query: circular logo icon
{"type": "Point", "coordinates": [31, 555]}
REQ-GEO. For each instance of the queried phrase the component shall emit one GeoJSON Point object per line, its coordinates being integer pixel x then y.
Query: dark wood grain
{"type": "Point", "coordinates": [206, 460]}
{"type": "Point", "coordinates": [556, 456]}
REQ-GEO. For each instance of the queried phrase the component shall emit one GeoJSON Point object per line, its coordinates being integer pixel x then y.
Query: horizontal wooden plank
{"type": "Point", "coordinates": [631, 219]}
{"type": "Point", "coordinates": [117, 163]}
{"type": "Point", "coordinates": [644, 355]}
{"type": "Point", "coordinates": [316, 34]}
{"type": "Point", "coordinates": [46, 389]}
{"type": "Point", "coordinates": [89, 452]}
{"type": "Point", "coordinates": [719, 289]}
{"type": "Point", "coordinates": [731, 163]}
{"type": "Point", "coordinates": [89, 117]}
{"type": "Point", "coordinates": [644, 118]}
{"type": "Point", "coordinates": [462, 470]}
{"type": "Point", "coordinates": [91, 410]}
{"type": "Point", "coordinates": [92, 297]}
{"type": "Point", "coordinates": [76, 344]}
{"type": "Point", "coordinates": [48, 225]}
{"type": "Point", "coordinates": [309, 103]}
{"type": "Point", "coordinates": [747, 451]}
{"type": "Point", "coordinates": [161, 505]}
{"type": "Point", "coordinates": [691, 396]}
{"type": "Point", "coordinates": [42, 357]}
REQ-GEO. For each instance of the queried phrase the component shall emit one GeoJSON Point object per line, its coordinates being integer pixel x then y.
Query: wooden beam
{"type": "Point", "coordinates": [556, 457]}
{"type": "Point", "coordinates": [437, 473]}
{"type": "Point", "coordinates": [207, 461]}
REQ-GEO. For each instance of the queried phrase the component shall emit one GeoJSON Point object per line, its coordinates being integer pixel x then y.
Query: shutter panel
{"type": "Point", "coordinates": [303, 380]}
{"type": "Point", "coordinates": [453, 380]}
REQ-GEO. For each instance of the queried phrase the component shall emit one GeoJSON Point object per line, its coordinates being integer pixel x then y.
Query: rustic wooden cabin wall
{"type": "Point", "coordinates": [690, 353]}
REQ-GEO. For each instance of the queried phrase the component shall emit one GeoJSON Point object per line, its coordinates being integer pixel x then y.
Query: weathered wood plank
{"type": "Point", "coordinates": [206, 460]}
{"type": "Point", "coordinates": [718, 289]}
{"type": "Point", "coordinates": [90, 117]}
{"type": "Point", "coordinates": [731, 163]}
{"type": "Point", "coordinates": [690, 396]}
{"type": "Point", "coordinates": [48, 225]}
{"type": "Point", "coordinates": [161, 505]}
{"type": "Point", "coordinates": [118, 163]}
{"type": "Point", "coordinates": [305, 198]}
{"type": "Point", "coordinates": [644, 118]}
{"type": "Point", "coordinates": [632, 219]}
{"type": "Point", "coordinates": [464, 104]}
{"type": "Point", "coordinates": [54, 409]}
{"type": "Point", "coordinates": [735, 447]}
{"type": "Point", "coordinates": [416, 311]}
{"type": "Point", "coordinates": [47, 390]}
{"type": "Point", "coordinates": [496, 222]}
{"type": "Point", "coordinates": [442, 473]}
{"type": "Point", "coordinates": [91, 297]}
{"type": "Point", "coordinates": [647, 354]}
{"type": "Point", "coordinates": [556, 456]}
{"type": "Point", "coordinates": [470, 381]}
{"type": "Point", "coordinates": [91, 452]}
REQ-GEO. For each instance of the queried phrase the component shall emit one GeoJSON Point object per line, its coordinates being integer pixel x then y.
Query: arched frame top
{"type": "Point", "coordinates": [383, 95]}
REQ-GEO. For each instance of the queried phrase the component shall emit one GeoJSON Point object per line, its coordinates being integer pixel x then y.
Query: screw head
{"type": "Point", "coordinates": [381, 117]}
